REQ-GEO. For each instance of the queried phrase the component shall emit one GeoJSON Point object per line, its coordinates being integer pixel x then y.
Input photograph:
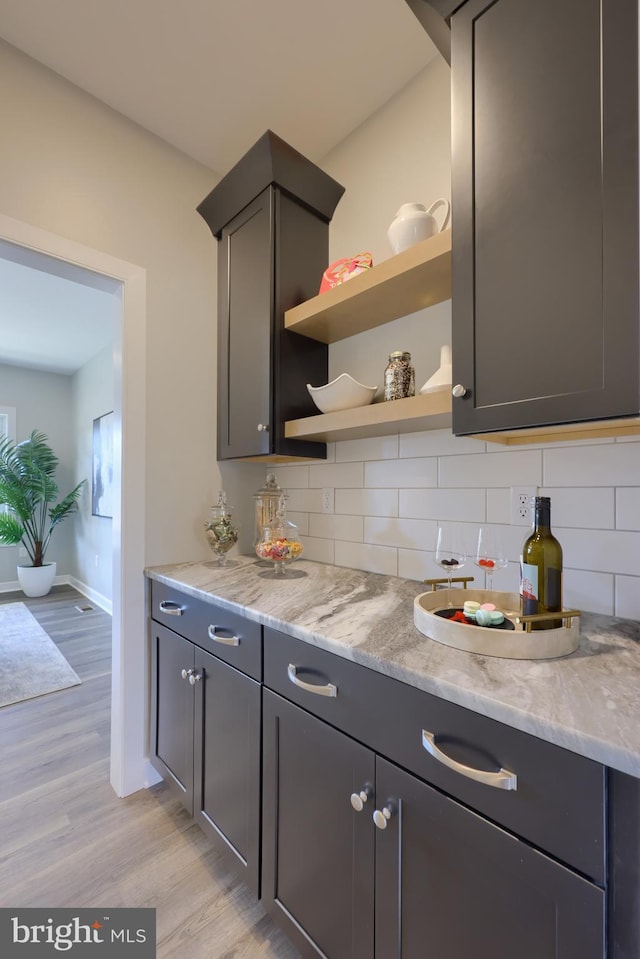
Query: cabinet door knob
{"type": "Point", "coordinates": [186, 673]}
{"type": "Point", "coordinates": [359, 799]}
{"type": "Point", "coordinates": [263, 428]}
{"type": "Point", "coordinates": [459, 390]}
{"type": "Point", "coordinates": [382, 817]}
{"type": "Point", "coordinates": [194, 677]}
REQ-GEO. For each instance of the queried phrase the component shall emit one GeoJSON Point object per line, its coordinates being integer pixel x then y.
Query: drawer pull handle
{"type": "Point", "coordinates": [170, 608]}
{"type": "Point", "coordinates": [504, 779]}
{"type": "Point", "coordinates": [328, 690]}
{"type": "Point", "coordinates": [227, 640]}
{"type": "Point", "coordinates": [359, 799]}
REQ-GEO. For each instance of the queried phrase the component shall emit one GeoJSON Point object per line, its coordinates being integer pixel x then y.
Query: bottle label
{"type": "Point", "coordinates": [529, 588]}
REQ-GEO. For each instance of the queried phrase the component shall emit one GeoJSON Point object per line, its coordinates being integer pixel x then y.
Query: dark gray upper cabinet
{"type": "Point", "coordinates": [545, 212]}
{"type": "Point", "coordinates": [271, 216]}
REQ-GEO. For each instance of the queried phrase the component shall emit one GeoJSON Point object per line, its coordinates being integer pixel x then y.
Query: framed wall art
{"type": "Point", "coordinates": [102, 471]}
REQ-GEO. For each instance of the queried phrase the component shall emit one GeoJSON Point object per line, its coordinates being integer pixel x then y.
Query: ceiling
{"type": "Point", "coordinates": [208, 77]}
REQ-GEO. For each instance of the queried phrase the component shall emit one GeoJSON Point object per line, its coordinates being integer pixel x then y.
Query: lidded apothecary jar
{"type": "Point", "coordinates": [399, 376]}
{"type": "Point", "coordinates": [280, 543]}
{"type": "Point", "coordinates": [220, 530]}
{"type": "Point", "coordinates": [267, 500]}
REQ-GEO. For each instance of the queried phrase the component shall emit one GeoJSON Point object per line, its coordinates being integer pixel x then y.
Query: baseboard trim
{"type": "Point", "coordinates": [92, 594]}
{"type": "Point", "coordinates": [102, 601]}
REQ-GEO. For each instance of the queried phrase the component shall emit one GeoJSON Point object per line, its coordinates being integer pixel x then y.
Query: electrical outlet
{"type": "Point", "coordinates": [522, 505]}
{"type": "Point", "coordinates": [327, 499]}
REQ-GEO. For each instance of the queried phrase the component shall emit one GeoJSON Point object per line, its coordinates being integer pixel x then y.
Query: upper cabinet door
{"type": "Point", "coordinates": [245, 325]}
{"type": "Point", "coordinates": [545, 212]}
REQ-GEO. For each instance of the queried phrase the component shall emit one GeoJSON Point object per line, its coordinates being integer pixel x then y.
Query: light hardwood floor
{"type": "Point", "coordinates": [67, 840]}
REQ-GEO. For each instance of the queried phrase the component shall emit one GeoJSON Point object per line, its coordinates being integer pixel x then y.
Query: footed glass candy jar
{"type": "Point", "coordinates": [280, 543]}
{"type": "Point", "coordinates": [221, 533]}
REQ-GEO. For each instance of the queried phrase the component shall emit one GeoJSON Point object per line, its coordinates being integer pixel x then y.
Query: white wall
{"type": "Point", "coordinates": [43, 402]}
{"type": "Point", "coordinates": [75, 168]}
{"type": "Point", "coordinates": [92, 388]}
{"type": "Point", "coordinates": [390, 492]}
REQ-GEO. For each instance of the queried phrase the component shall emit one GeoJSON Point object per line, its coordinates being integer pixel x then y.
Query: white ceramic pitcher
{"type": "Point", "coordinates": [413, 222]}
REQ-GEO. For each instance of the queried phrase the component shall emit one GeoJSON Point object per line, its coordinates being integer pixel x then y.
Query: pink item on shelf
{"type": "Point", "coordinates": [345, 269]}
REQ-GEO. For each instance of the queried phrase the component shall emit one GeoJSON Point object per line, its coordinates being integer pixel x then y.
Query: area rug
{"type": "Point", "coordinates": [30, 662]}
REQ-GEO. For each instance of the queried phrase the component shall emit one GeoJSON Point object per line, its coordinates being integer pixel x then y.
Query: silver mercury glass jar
{"type": "Point", "coordinates": [399, 376]}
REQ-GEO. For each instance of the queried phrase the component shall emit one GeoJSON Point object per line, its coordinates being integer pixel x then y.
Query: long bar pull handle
{"type": "Point", "coordinates": [328, 690]}
{"type": "Point", "coordinates": [171, 609]}
{"type": "Point", "coordinates": [227, 640]}
{"type": "Point", "coordinates": [503, 779]}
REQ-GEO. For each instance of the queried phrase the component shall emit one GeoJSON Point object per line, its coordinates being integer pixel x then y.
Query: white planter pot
{"type": "Point", "coordinates": [36, 580]}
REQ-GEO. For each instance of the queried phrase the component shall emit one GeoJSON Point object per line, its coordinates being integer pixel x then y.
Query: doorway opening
{"type": "Point", "coordinates": [126, 284]}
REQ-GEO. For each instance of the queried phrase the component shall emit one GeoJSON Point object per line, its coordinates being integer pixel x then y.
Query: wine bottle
{"type": "Point", "coordinates": [541, 568]}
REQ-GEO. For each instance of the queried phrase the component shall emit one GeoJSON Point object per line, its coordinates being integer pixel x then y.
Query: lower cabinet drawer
{"type": "Point", "coordinates": [227, 635]}
{"type": "Point", "coordinates": [546, 794]}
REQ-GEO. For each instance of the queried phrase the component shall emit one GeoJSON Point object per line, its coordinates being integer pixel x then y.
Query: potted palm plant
{"type": "Point", "coordinates": [28, 487]}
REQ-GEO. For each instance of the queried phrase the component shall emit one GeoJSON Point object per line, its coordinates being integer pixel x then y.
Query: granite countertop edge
{"type": "Point", "coordinates": [588, 702]}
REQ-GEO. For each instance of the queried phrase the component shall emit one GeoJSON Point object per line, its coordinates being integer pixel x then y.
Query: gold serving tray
{"type": "Point", "coordinates": [519, 643]}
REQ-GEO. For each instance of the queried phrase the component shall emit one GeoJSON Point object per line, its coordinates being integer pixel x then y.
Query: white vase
{"type": "Point", "coordinates": [413, 222]}
{"type": "Point", "coordinates": [441, 379]}
{"type": "Point", "coordinates": [36, 580]}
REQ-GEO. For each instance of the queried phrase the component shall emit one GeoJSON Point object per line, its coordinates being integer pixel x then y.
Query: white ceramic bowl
{"type": "Point", "coordinates": [343, 393]}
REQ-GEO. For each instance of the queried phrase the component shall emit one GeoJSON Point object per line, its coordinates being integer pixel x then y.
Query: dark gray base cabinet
{"type": "Point", "coordinates": [438, 879]}
{"type": "Point", "coordinates": [545, 212]}
{"type": "Point", "coordinates": [206, 744]}
{"type": "Point", "coordinates": [318, 854]}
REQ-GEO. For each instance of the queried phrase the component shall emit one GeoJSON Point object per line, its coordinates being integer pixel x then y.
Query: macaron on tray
{"type": "Point", "coordinates": [477, 614]}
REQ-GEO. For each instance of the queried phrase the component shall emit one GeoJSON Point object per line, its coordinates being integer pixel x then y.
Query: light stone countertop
{"type": "Point", "coordinates": [588, 702]}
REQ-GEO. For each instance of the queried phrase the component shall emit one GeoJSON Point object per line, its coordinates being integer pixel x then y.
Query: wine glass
{"type": "Point", "coordinates": [450, 553]}
{"type": "Point", "coordinates": [490, 554]}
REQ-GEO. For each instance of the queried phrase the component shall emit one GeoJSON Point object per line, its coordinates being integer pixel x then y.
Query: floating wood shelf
{"type": "Point", "coordinates": [412, 280]}
{"type": "Point", "coordinates": [429, 412]}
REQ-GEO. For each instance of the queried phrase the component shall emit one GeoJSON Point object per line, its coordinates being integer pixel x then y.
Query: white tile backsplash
{"type": "Point", "coordinates": [336, 526]}
{"type": "Point", "coordinates": [613, 464]}
{"type": "Point", "coordinates": [499, 505]}
{"type": "Point", "coordinates": [590, 508]}
{"type": "Point", "coordinates": [304, 500]}
{"type": "Point", "coordinates": [513, 468]}
{"type": "Point", "coordinates": [373, 448]}
{"type": "Point", "coordinates": [627, 597]}
{"type": "Point", "coordinates": [346, 475]}
{"type": "Point", "coordinates": [437, 443]}
{"type": "Point", "coordinates": [367, 502]}
{"type": "Point", "coordinates": [396, 473]}
{"type": "Point", "coordinates": [466, 505]}
{"type": "Point", "coordinates": [628, 507]}
{"type": "Point", "coordinates": [586, 590]}
{"type": "Point", "coordinates": [390, 492]}
{"type": "Point", "coordinates": [605, 551]}
{"type": "Point", "coordinates": [408, 533]}
{"type": "Point", "coordinates": [374, 559]}
{"type": "Point", "coordinates": [318, 550]}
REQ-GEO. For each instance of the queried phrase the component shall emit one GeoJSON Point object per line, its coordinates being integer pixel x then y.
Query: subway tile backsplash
{"type": "Point", "coordinates": [390, 493]}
